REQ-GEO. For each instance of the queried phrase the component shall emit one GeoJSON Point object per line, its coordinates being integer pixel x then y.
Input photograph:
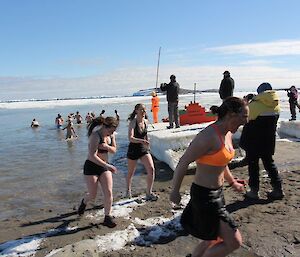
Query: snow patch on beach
{"type": "Point", "coordinates": [116, 240]}
{"type": "Point", "coordinates": [121, 209]}
{"type": "Point", "coordinates": [27, 246]}
{"type": "Point", "coordinates": [153, 229]}
{"type": "Point", "coordinates": [139, 232]}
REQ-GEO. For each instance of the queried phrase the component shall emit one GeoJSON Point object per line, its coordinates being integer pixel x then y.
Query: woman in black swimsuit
{"type": "Point", "coordinates": [139, 149]}
{"type": "Point", "coordinates": [96, 168]}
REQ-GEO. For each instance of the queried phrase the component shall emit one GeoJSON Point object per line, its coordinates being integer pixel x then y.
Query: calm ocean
{"type": "Point", "coordinates": [40, 170]}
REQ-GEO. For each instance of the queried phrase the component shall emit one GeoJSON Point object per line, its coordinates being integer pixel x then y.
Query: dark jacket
{"type": "Point", "coordinates": [293, 96]}
{"type": "Point", "coordinates": [226, 87]}
{"type": "Point", "coordinates": [259, 136]}
{"type": "Point", "coordinates": [172, 91]}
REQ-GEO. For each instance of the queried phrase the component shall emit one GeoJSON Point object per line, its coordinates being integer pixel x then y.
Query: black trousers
{"type": "Point", "coordinates": [270, 167]}
{"type": "Point", "coordinates": [293, 104]}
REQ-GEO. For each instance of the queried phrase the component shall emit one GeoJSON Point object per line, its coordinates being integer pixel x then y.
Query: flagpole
{"type": "Point", "coordinates": [157, 69]}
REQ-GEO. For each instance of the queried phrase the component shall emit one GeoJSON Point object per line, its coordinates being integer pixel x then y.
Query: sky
{"type": "Point", "coordinates": [73, 48]}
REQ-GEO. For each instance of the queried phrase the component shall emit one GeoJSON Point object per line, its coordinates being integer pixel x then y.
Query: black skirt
{"type": "Point", "coordinates": [202, 215]}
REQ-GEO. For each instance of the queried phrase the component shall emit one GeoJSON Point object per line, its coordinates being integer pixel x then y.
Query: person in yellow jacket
{"type": "Point", "coordinates": [155, 106]}
{"type": "Point", "coordinates": [258, 139]}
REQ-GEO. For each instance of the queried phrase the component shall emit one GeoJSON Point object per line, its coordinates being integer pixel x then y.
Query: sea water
{"type": "Point", "coordinates": [40, 170]}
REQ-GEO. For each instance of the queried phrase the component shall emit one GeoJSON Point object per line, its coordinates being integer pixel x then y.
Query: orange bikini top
{"type": "Point", "coordinates": [219, 158]}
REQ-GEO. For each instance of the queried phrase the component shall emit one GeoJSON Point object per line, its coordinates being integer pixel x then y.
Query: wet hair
{"type": "Point", "coordinates": [108, 122]}
{"type": "Point", "coordinates": [231, 104]}
{"type": "Point", "coordinates": [133, 114]}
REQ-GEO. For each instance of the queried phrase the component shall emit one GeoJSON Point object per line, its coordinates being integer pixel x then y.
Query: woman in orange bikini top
{"type": "Point", "coordinates": [219, 158]}
{"type": "Point", "coordinates": [205, 216]}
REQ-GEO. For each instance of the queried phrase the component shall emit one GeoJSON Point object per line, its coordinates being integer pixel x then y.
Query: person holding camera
{"type": "Point", "coordinates": [172, 97]}
{"type": "Point", "coordinates": [292, 93]}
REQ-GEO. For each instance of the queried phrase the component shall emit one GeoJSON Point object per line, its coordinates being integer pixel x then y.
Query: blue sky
{"type": "Point", "coordinates": [72, 48]}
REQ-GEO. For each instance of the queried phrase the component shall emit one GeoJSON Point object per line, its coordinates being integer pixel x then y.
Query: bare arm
{"type": "Point", "coordinates": [198, 147]}
{"type": "Point", "coordinates": [131, 137]}
{"type": "Point", "coordinates": [112, 148]}
{"type": "Point", "coordinates": [93, 153]}
{"type": "Point", "coordinates": [232, 181]}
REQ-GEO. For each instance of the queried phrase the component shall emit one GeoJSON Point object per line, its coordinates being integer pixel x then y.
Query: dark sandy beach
{"type": "Point", "coordinates": [269, 228]}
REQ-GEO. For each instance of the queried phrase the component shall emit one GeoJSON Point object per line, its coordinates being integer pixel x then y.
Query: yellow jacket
{"type": "Point", "coordinates": [265, 103]}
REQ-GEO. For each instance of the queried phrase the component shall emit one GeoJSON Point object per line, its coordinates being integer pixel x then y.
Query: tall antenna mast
{"type": "Point", "coordinates": [157, 69]}
{"type": "Point", "coordinates": [194, 92]}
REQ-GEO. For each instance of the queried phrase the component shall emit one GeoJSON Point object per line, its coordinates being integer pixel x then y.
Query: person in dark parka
{"type": "Point", "coordinates": [226, 86]}
{"type": "Point", "coordinates": [172, 97]}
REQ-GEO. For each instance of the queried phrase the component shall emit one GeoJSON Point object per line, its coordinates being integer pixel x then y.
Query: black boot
{"type": "Point", "coordinates": [276, 194]}
{"type": "Point", "coordinates": [108, 221]}
{"type": "Point", "coordinates": [81, 208]}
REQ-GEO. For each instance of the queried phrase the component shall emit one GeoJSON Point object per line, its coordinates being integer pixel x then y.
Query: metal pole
{"type": "Point", "coordinates": [157, 69]}
{"type": "Point", "coordinates": [194, 92]}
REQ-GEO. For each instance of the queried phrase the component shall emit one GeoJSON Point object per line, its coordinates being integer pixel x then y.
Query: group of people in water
{"type": "Point", "coordinates": [72, 117]}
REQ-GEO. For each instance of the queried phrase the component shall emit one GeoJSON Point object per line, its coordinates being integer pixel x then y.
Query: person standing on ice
{"type": "Point", "coordinates": [172, 97]}
{"type": "Point", "coordinates": [292, 93]}
{"type": "Point", "coordinates": [155, 106]}
{"type": "Point", "coordinates": [226, 86]}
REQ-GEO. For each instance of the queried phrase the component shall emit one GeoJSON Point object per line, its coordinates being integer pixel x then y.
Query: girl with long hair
{"type": "Point", "coordinates": [138, 149]}
{"type": "Point", "coordinates": [96, 169]}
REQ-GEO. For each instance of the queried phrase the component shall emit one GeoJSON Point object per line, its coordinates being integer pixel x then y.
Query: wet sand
{"type": "Point", "coordinates": [269, 228]}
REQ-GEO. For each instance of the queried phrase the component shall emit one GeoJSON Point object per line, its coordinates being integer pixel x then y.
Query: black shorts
{"type": "Point", "coordinates": [92, 169]}
{"type": "Point", "coordinates": [202, 215]}
{"type": "Point", "coordinates": [136, 151]}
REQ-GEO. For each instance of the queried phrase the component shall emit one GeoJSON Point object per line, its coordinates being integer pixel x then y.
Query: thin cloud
{"type": "Point", "coordinates": [276, 48]}
{"type": "Point", "coordinates": [256, 63]}
{"type": "Point", "coordinates": [87, 62]}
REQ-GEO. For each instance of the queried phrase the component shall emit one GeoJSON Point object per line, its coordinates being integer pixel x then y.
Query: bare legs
{"type": "Point", "coordinates": [92, 185]}
{"type": "Point", "coordinates": [131, 170]}
{"type": "Point", "coordinates": [147, 161]}
{"type": "Point", "coordinates": [228, 241]}
{"type": "Point", "coordinates": [106, 184]}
